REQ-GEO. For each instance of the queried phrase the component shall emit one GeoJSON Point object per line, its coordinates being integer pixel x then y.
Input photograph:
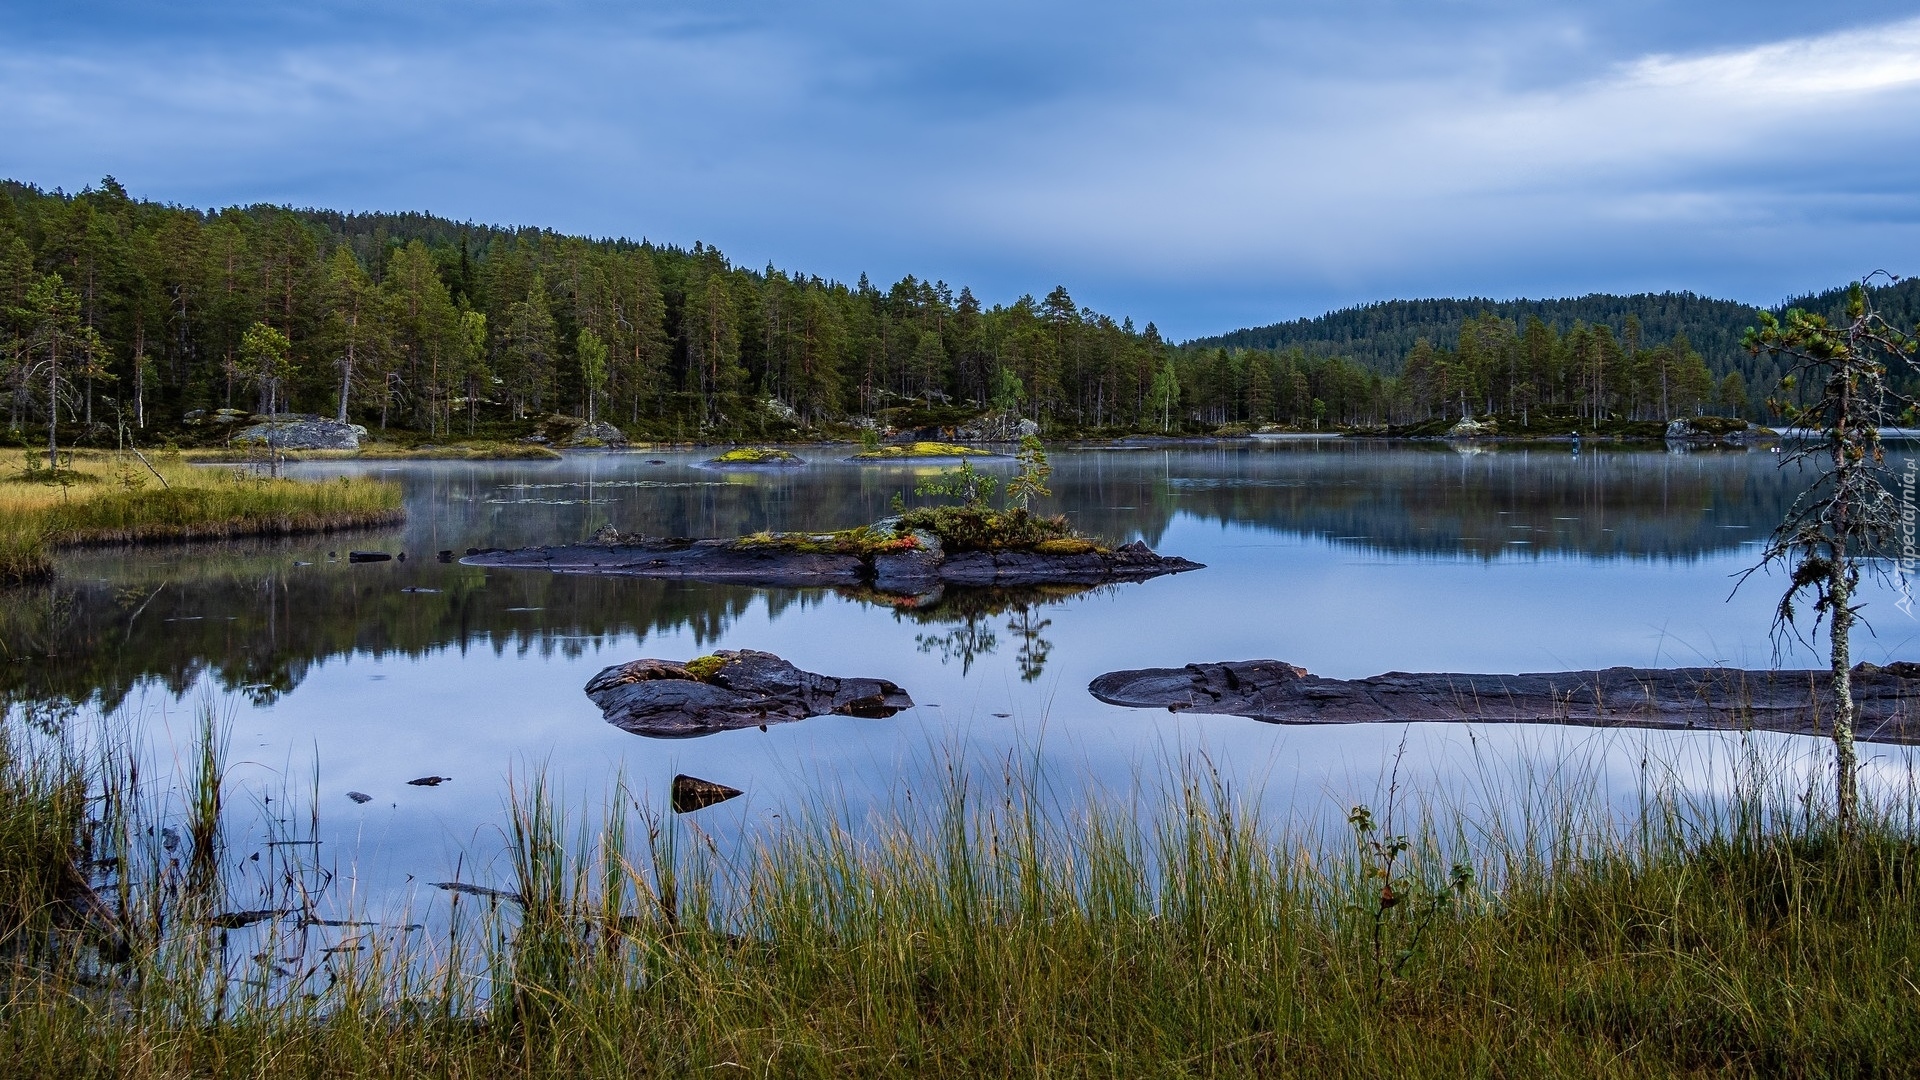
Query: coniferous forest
{"type": "Point", "coordinates": [127, 315]}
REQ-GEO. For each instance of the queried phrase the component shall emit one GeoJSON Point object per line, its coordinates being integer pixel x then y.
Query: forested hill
{"type": "Point", "coordinates": [1379, 336]}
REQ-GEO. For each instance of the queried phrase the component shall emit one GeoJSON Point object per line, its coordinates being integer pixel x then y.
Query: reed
{"type": "Point", "coordinates": [994, 930]}
{"type": "Point", "coordinates": [120, 499]}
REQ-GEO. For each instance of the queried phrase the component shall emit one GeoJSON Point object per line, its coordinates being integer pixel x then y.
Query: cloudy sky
{"type": "Point", "coordinates": [1203, 164]}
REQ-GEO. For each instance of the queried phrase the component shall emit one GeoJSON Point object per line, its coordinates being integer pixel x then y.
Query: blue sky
{"type": "Point", "coordinates": [1206, 165]}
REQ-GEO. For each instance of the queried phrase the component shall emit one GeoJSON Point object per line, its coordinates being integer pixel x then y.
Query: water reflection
{"type": "Point", "coordinates": [976, 613]}
{"type": "Point", "coordinates": [257, 621]}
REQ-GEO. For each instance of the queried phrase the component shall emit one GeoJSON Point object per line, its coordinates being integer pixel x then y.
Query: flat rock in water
{"type": "Point", "coordinates": [911, 571]}
{"type": "Point", "coordinates": [691, 793]}
{"type": "Point", "coordinates": [733, 688]}
{"type": "Point", "coordinates": [1728, 699]}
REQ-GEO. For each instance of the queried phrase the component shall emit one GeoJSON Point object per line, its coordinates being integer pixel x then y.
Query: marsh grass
{"type": "Point", "coordinates": [125, 500]}
{"type": "Point", "coordinates": [995, 928]}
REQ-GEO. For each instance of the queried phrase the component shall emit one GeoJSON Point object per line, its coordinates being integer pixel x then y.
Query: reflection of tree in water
{"type": "Point", "coordinates": [1034, 649]}
{"type": "Point", "coordinates": [974, 613]}
{"type": "Point", "coordinates": [255, 622]}
{"type": "Point", "coordinates": [969, 641]}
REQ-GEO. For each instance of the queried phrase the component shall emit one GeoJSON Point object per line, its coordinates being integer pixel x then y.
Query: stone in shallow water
{"type": "Point", "coordinates": [1728, 699]}
{"type": "Point", "coordinates": [691, 793]}
{"type": "Point", "coordinates": [731, 689]}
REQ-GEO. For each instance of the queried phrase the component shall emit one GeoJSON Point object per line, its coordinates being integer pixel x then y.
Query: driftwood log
{"type": "Point", "coordinates": [733, 688]}
{"type": "Point", "coordinates": [1727, 699]}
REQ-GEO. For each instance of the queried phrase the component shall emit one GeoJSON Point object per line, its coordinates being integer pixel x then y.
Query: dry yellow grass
{"type": "Point", "coordinates": [116, 498]}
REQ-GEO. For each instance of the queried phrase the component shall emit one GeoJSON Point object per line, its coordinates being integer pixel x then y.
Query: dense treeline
{"type": "Point", "coordinates": [1379, 336]}
{"type": "Point", "coordinates": [407, 319]}
{"type": "Point", "coordinates": [1387, 336]}
{"type": "Point", "coordinates": [135, 313]}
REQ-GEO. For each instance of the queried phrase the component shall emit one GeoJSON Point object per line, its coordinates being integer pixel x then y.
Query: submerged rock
{"type": "Point", "coordinates": [1794, 702]}
{"type": "Point", "coordinates": [691, 793]}
{"type": "Point", "coordinates": [731, 689]}
{"type": "Point", "coordinates": [486, 891]}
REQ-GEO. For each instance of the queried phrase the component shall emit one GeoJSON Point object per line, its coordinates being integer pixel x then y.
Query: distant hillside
{"type": "Point", "coordinates": [1378, 336]}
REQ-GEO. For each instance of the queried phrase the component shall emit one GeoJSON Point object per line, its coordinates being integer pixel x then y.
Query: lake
{"type": "Point", "coordinates": [1347, 558]}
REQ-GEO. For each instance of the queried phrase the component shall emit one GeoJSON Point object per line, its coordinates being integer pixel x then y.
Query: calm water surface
{"type": "Point", "coordinates": [1348, 559]}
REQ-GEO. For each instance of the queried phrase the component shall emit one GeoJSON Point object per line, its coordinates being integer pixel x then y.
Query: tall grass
{"type": "Point", "coordinates": [112, 499]}
{"type": "Point", "coordinates": [998, 932]}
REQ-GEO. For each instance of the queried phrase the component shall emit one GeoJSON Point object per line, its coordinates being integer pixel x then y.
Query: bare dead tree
{"type": "Point", "coordinates": [1847, 519]}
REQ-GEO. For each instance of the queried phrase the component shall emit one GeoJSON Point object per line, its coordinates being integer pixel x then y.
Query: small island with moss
{"type": "Point", "coordinates": [920, 451]}
{"type": "Point", "coordinates": [916, 552]}
{"type": "Point", "coordinates": [912, 553]}
{"type": "Point", "coordinates": [757, 457]}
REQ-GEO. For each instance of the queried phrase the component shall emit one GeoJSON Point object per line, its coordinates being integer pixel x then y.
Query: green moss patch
{"type": "Point", "coordinates": [704, 667]}
{"type": "Point", "coordinates": [756, 455]}
{"type": "Point", "coordinates": [911, 451]}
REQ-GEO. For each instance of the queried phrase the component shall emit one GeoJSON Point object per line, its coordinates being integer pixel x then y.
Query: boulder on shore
{"type": "Point", "coordinates": [1712, 429]}
{"type": "Point", "coordinates": [576, 433]}
{"type": "Point", "coordinates": [996, 427]}
{"type": "Point", "coordinates": [1728, 699]}
{"type": "Point", "coordinates": [731, 689]}
{"type": "Point", "coordinates": [1469, 428]}
{"type": "Point", "coordinates": [300, 432]}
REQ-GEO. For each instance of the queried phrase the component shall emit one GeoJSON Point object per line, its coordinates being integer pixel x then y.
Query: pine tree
{"type": "Point", "coordinates": [55, 348]}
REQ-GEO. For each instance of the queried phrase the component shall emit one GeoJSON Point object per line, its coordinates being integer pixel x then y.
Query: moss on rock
{"type": "Point", "coordinates": [756, 455]}
{"type": "Point", "coordinates": [909, 451]}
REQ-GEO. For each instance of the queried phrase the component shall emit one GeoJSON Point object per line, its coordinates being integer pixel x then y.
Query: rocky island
{"type": "Point", "coordinates": [748, 457]}
{"type": "Point", "coordinates": [731, 689]}
{"type": "Point", "coordinates": [913, 553]}
{"type": "Point", "coordinates": [1729, 699]}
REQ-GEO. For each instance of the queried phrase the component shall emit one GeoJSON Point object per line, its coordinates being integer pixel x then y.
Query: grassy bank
{"type": "Point", "coordinates": [379, 451]}
{"type": "Point", "coordinates": [993, 932]}
{"type": "Point", "coordinates": [111, 498]}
